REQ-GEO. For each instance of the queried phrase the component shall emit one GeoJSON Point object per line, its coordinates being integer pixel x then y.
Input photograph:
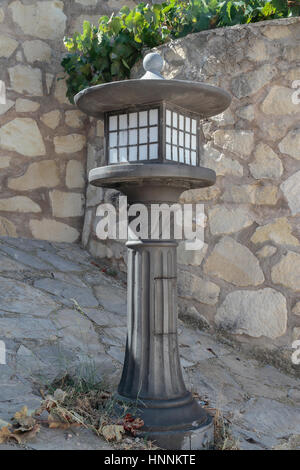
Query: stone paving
{"type": "Point", "coordinates": [60, 312]}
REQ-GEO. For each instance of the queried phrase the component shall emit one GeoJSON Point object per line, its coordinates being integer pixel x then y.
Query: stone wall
{"type": "Point", "coordinates": [246, 282]}
{"type": "Point", "coordinates": [42, 136]}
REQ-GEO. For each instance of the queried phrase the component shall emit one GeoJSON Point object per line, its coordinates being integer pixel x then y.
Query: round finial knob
{"type": "Point", "coordinates": [154, 63]}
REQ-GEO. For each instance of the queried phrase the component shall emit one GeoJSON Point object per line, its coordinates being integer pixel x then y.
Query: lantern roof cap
{"type": "Point", "coordinates": [197, 97]}
{"type": "Point", "coordinates": [153, 64]}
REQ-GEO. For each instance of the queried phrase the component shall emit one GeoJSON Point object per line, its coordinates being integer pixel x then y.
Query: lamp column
{"type": "Point", "coordinates": [152, 382]}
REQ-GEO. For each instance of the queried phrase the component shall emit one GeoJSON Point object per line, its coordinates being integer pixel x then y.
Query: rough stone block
{"type": "Point", "coordinates": [23, 136]}
{"type": "Point", "coordinates": [254, 313]}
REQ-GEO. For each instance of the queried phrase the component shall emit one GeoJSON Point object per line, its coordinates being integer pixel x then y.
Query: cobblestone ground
{"type": "Point", "coordinates": [46, 334]}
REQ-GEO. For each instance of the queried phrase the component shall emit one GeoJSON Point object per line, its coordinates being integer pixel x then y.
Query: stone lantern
{"type": "Point", "coordinates": [153, 154]}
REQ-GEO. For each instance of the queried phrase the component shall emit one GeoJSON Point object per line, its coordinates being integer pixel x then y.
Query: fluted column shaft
{"type": "Point", "coordinates": [152, 368]}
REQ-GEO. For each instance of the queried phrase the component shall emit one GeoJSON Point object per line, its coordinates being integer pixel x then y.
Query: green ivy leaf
{"type": "Point", "coordinates": [115, 68]}
{"type": "Point", "coordinates": [116, 25]}
{"type": "Point", "coordinates": [125, 64]}
{"type": "Point", "coordinates": [125, 10]}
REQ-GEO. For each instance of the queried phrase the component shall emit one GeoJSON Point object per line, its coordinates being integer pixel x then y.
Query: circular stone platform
{"type": "Point", "coordinates": [152, 181]}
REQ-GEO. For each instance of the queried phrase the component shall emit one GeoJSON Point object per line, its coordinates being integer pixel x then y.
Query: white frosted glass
{"type": "Point", "coordinates": [113, 139]}
{"type": "Point", "coordinates": [181, 155]}
{"type": "Point", "coordinates": [123, 154]}
{"type": "Point", "coordinates": [113, 156]}
{"type": "Point", "coordinates": [143, 136]}
{"type": "Point", "coordinates": [187, 141]}
{"type": "Point", "coordinates": [174, 136]}
{"type": "Point", "coordinates": [194, 126]}
{"type": "Point", "coordinates": [174, 153]}
{"type": "Point", "coordinates": [187, 157]}
{"type": "Point", "coordinates": [132, 153]}
{"type": "Point", "coordinates": [188, 124]}
{"type": "Point", "coordinates": [133, 120]}
{"type": "Point", "coordinates": [123, 121]}
{"type": "Point", "coordinates": [168, 152]}
{"type": "Point", "coordinates": [193, 158]}
{"type": "Point", "coordinates": [153, 151]}
{"type": "Point", "coordinates": [168, 117]}
{"type": "Point", "coordinates": [123, 136]}
{"type": "Point", "coordinates": [133, 137]}
{"type": "Point", "coordinates": [143, 118]}
{"type": "Point", "coordinates": [153, 134]}
{"type": "Point", "coordinates": [153, 117]}
{"type": "Point", "coordinates": [181, 122]}
{"type": "Point", "coordinates": [113, 123]}
{"type": "Point", "coordinates": [168, 134]}
{"type": "Point", "coordinates": [194, 142]}
{"type": "Point", "coordinates": [175, 119]}
{"type": "Point", "coordinates": [181, 140]}
{"type": "Point", "coordinates": [143, 152]}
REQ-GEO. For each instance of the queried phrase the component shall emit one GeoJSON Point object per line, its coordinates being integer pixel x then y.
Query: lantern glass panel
{"type": "Point", "coordinates": [175, 119]}
{"type": "Point", "coordinates": [123, 154]}
{"type": "Point", "coordinates": [133, 153]}
{"type": "Point", "coordinates": [153, 151]}
{"type": "Point", "coordinates": [143, 118]}
{"type": "Point", "coordinates": [143, 136]}
{"type": "Point", "coordinates": [133, 120]}
{"type": "Point", "coordinates": [193, 158]}
{"type": "Point", "coordinates": [168, 117]}
{"type": "Point", "coordinates": [131, 135]}
{"type": "Point", "coordinates": [181, 123]}
{"type": "Point", "coordinates": [187, 141]}
{"type": "Point", "coordinates": [194, 142]}
{"type": "Point", "coordinates": [181, 138]}
{"type": "Point", "coordinates": [153, 134]}
{"type": "Point", "coordinates": [168, 152]}
{"type": "Point", "coordinates": [138, 135]}
{"type": "Point", "coordinates": [122, 138]}
{"type": "Point", "coordinates": [174, 153]}
{"type": "Point", "coordinates": [113, 123]}
{"type": "Point", "coordinates": [194, 126]}
{"type": "Point", "coordinates": [153, 117]}
{"type": "Point", "coordinates": [143, 150]}
{"type": "Point", "coordinates": [113, 139]}
{"type": "Point", "coordinates": [174, 137]}
{"type": "Point", "coordinates": [187, 157]}
{"type": "Point", "coordinates": [168, 134]}
{"type": "Point", "coordinates": [123, 121]}
{"type": "Point", "coordinates": [113, 155]}
{"type": "Point", "coordinates": [187, 124]}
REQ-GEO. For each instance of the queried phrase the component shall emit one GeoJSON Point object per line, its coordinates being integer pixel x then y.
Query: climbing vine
{"type": "Point", "coordinates": [108, 51]}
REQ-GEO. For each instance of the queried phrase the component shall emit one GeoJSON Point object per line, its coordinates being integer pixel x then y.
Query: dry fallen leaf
{"type": "Point", "coordinates": [9, 434]}
{"type": "Point", "coordinates": [22, 437]}
{"type": "Point", "coordinates": [24, 427]}
{"type": "Point", "coordinates": [22, 422]}
{"type": "Point", "coordinates": [131, 424]}
{"type": "Point", "coordinates": [21, 414]}
{"type": "Point", "coordinates": [112, 432]}
{"type": "Point", "coordinates": [55, 423]}
{"type": "Point", "coordinates": [5, 434]}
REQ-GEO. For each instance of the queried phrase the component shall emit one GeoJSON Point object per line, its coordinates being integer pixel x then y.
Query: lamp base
{"type": "Point", "coordinates": [172, 424]}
